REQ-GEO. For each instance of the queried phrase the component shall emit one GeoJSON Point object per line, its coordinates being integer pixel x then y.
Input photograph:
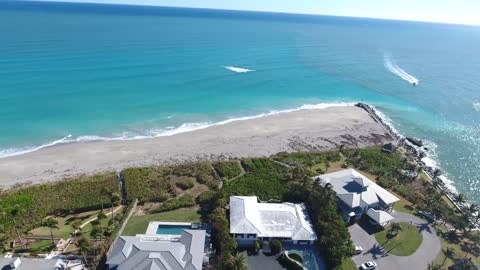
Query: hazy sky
{"type": "Point", "coordinates": [450, 11]}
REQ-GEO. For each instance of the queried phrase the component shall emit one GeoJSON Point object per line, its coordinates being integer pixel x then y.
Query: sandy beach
{"type": "Point", "coordinates": [306, 130]}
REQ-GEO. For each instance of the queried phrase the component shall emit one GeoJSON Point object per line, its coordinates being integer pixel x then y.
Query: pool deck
{"type": "Point", "coordinates": [153, 226]}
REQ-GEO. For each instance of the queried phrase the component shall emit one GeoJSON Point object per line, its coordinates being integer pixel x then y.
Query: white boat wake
{"type": "Point", "coordinates": [238, 69]}
{"type": "Point", "coordinates": [393, 68]}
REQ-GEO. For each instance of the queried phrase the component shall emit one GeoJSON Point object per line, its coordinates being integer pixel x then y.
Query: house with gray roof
{"type": "Point", "coordinates": [17, 263]}
{"type": "Point", "coordinates": [158, 252]}
{"type": "Point", "coordinates": [251, 220]}
{"type": "Point", "coordinates": [356, 195]}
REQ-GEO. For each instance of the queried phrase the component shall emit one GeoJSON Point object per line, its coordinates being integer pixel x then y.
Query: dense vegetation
{"type": "Point", "coordinates": [25, 207]}
{"type": "Point", "coordinates": [227, 169]}
{"type": "Point", "coordinates": [289, 263]}
{"type": "Point", "coordinates": [263, 178]}
{"type": "Point", "coordinates": [284, 177]}
{"type": "Point", "coordinates": [183, 201]}
{"type": "Point", "coordinates": [315, 163]}
{"type": "Point", "coordinates": [157, 184]}
{"type": "Point", "coordinates": [333, 237]}
{"type": "Point", "coordinates": [147, 184]}
{"type": "Point", "coordinates": [389, 172]}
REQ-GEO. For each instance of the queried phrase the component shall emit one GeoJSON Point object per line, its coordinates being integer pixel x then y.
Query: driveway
{"type": "Point", "coordinates": [425, 254]}
{"type": "Point", "coordinates": [262, 262]}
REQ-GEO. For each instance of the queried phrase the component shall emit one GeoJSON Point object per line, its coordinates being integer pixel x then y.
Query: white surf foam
{"type": "Point", "coordinates": [168, 131]}
{"type": "Point", "coordinates": [390, 64]}
{"type": "Point", "coordinates": [476, 106]}
{"type": "Point", "coordinates": [238, 69]}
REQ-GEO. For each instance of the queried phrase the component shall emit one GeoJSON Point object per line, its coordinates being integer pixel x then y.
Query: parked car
{"type": "Point", "coordinates": [358, 250]}
{"type": "Point", "coordinates": [368, 266]}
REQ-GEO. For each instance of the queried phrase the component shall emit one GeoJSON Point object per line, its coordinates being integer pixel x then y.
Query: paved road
{"type": "Point", "coordinates": [426, 253]}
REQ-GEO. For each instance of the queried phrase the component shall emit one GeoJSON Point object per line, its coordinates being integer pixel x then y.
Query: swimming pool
{"type": "Point", "coordinates": [311, 257]}
{"type": "Point", "coordinates": [172, 229]}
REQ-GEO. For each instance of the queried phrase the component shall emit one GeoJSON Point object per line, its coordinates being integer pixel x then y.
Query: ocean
{"type": "Point", "coordinates": [79, 72]}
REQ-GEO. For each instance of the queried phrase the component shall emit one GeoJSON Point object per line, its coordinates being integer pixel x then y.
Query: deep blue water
{"type": "Point", "coordinates": [109, 71]}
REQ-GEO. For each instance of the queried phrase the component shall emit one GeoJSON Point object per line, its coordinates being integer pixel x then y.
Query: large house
{"type": "Point", "coordinates": [183, 251]}
{"type": "Point", "coordinates": [17, 263]}
{"type": "Point", "coordinates": [358, 195]}
{"type": "Point", "coordinates": [251, 220]}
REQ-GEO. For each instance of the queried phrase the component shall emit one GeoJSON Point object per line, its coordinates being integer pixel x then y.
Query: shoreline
{"type": "Point", "coordinates": [303, 129]}
{"type": "Point", "coordinates": [165, 132]}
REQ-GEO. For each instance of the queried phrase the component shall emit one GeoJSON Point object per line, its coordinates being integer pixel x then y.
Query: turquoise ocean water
{"type": "Point", "coordinates": [84, 72]}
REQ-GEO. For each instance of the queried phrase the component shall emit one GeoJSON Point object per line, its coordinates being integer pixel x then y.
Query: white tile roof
{"type": "Point", "coordinates": [381, 217]}
{"type": "Point", "coordinates": [287, 220]}
{"type": "Point", "coordinates": [357, 190]}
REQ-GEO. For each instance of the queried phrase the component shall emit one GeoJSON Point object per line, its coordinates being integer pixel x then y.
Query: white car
{"type": "Point", "coordinates": [368, 265]}
{"type": "Point", "coordinates": [358, 250]}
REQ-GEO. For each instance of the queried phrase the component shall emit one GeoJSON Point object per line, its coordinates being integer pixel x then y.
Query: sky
{"type": "Point", "coordinates": [448, 11]}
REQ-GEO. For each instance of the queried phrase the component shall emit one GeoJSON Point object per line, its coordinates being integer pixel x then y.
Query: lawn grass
{"type": "Point", "coordinates": [65, 224]}
{"type": "Point", "coordinates": [347, 264]}
{"type": "Point", "coordinates": [404, 206]}
{"type": "Point", "coordinates": [40, 246]}
{"type": "Point", "coordinates": [138, 224]}
{"type": "Point", "coordinates": [405, 243]}
{"type": "Point", "coordinates": [446, 262]}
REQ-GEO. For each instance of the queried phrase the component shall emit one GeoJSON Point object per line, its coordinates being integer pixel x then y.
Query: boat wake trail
{"type": "Point", "coordinates": [238, 69]}
{"type": "Point", "coordinates": [393, 68]}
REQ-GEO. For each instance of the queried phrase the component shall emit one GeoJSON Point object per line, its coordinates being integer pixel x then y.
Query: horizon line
{"type": "Point", "coordinates": [249, 10]}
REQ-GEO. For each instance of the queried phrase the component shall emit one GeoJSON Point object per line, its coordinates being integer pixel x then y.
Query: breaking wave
{"type": "Point", "coordinates": [476, 106]}
{"type": "Point", "coordinates": [238, 69]}
{"type": "Point", "coordinates": [393, 68]}
{"type": "Point", "coordinates": [167, 131]}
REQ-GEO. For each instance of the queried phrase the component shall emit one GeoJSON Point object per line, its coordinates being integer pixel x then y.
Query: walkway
{"type": "Point", "coordinates": [62, 246]}
{"type": "Point", "coordinates": [425, 254]}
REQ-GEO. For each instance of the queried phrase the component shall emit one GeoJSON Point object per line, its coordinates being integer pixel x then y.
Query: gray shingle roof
{"type": "Point", "coordinates": [355, 190]}
{"type": "Point", "coordinates": [32, 264]}
{"type": "Point", "coordinates": [137, 253]}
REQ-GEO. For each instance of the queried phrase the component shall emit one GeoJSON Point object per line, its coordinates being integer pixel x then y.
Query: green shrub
{"type": "Point", "coordinates": [307, 159]}
{"type": "Point", "coordinates": [186, 200]}
{"type": "Point", "coordinates": [296, 257]}
{"type": "Point", "coordinates": [201, 171]}
{"type": "Point", "coordinates": [288, 263]}
{"type": "Point", "coordinates": [227, 169]}
{"type": "Point", "coordinates": [276, 246]}
{"type": "Point", "coordinates": [147, 184]}
{"type": "Point", "coordinates": [264, 178]}
{"type": "Point", "coordinates": [257, 245]}
{"type": "Point", "coordinates": [185, 184]}
{"type": "Point", "coordinates": [68, 196]}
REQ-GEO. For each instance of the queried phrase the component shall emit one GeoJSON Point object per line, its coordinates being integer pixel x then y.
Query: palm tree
{"type": "Point", "coordinates": [51, 223]}
{"type": "Point", "coordinates": [76, 225]}
{"type": "Point", "coordinates": [85, 248]}
{"type": "Point", "coordinates": [114, 199]}
{"type": "Point", "coordinates": [473, 208]}
{"type": "Point", "coordinates": [238, 262]}
{"type": "Point", "coordinates": [394, 229]}
{"type": "Point", "coordinates": [432, 266]}
{"type": "Point", "coordinates": [449, 254]}
{"type": "Point", "coordinates": [459, 198]}
{"type": "Point", "coordinates": [14, 212]}
{"type": "Point", "coordinates": [438, 182]}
